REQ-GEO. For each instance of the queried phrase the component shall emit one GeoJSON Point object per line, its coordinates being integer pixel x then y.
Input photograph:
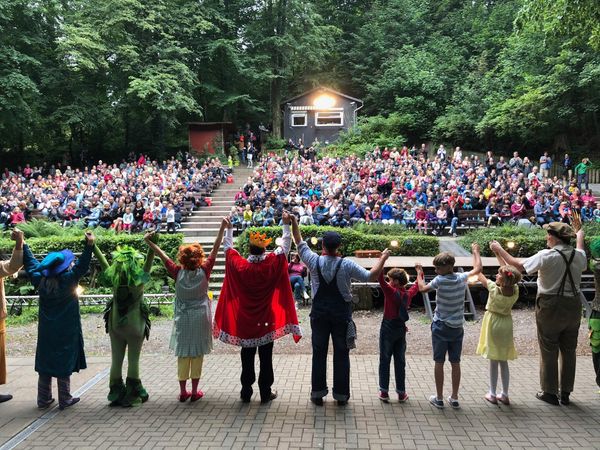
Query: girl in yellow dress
{"type": "Point", "coordinates": [496, 339]}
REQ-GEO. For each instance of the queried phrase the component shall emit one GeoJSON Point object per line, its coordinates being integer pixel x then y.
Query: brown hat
{"type": "Point", "coordinates": [560, 230]}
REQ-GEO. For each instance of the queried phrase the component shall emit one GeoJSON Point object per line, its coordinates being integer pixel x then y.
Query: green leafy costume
{"type": "Point", "coordinates": [127, 319]}
{"type": "Point", "coordinates": [594, 322]}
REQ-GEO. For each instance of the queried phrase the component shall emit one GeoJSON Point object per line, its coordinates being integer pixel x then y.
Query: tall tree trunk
{"type": "Point", "coordinates": [276, 107]}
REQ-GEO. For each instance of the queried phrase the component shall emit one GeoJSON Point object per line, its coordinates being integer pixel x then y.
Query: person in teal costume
{"type": "Point", "coordinates": [59, 350]}
{"type": "Point", "coordinates": [127, 320]}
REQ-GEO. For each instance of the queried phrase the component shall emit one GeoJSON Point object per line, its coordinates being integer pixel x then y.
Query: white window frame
{"type": "Point", "coordinates": [329, 114]}
{"type": "Point", "coordinates": [294, 115]}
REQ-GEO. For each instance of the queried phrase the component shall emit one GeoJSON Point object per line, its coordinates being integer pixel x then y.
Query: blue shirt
{"type": "Point", "coordinates": [349, 270]}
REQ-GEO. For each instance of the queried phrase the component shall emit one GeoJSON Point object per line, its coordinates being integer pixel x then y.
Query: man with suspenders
{"type": "Point", "coordinates": [331, 312]}
{"type": "Point", "coordinates": [557, 306]}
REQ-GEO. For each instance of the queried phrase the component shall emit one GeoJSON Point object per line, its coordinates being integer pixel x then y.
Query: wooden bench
{"type": "Point", "coordinates": [367, 254]}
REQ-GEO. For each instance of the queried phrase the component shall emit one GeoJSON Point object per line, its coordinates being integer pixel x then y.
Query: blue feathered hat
{"type": "Point", "coordinates": [56, 263]}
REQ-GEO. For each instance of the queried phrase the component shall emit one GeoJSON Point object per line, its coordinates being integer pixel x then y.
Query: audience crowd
{"type": "Point", "coordinates": [408, 187]}
{"type": "Point", "coordinates": [132, 196]}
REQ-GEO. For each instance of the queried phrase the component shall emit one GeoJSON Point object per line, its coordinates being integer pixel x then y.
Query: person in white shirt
{"type": "Point", "coordinates": [558, 305]}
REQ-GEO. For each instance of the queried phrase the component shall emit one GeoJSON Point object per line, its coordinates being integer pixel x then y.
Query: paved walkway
{"type": "Point", "coordinates": [220, 420]}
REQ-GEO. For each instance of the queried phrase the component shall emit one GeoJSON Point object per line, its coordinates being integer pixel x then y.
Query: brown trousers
{"type": "Point", "coordinates": [2, 351]}
{"type": "Point", "coordinates": [558, 319]}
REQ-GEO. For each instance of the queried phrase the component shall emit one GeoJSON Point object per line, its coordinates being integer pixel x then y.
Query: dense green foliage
{"type": "Point", "coordinates": [409, 244]}
{"type": "Point", "coordinates": [85, 79]}
{"type": "Point", "coordinates": [528, 241]}
{"type": "Point", "coordinates": [72, 238]}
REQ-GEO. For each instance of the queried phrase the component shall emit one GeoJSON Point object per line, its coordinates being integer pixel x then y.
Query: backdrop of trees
{"type": "Point", "coordinates": [107, 77]}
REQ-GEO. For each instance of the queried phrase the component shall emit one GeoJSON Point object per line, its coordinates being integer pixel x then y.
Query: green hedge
{"type": "Point", "coordinates": [410, 244]}
{"type": "Point", "coordinates": [107, 242]}
{"type": "Point", "coordinates": [528, 241]}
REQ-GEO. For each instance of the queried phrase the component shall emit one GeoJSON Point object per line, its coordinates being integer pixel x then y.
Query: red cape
{"type": "Point", "coordinates": [256, 304]}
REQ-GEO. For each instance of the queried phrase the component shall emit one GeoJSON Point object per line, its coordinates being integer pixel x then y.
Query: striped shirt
{"type": "Point", "coordinates": [450, 298]}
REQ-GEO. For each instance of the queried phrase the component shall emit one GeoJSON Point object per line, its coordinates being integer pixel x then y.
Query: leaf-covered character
{"type": "Point", "coordinates": [127, 319]}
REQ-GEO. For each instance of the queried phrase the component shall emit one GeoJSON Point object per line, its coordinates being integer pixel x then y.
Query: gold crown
{"type": "Point", "coordinates": [259, 239]}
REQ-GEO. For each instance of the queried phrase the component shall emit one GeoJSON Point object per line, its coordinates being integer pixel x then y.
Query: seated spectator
{"type": "Point", "coordinates": [409, 217]}
{"type": "Point", "coordinates": [297, 272]}
{"type": "Point", "coordinates": [421, 217]}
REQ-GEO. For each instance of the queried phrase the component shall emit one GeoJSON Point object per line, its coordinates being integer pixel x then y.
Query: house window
{"type": "Point", "coordinates": [299, 119]}
{"type": "Point", "coordinates": [329, 119]}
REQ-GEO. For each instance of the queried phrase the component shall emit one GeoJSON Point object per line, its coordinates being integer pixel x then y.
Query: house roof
{"type": "Point", "coordinates": [321, 88]}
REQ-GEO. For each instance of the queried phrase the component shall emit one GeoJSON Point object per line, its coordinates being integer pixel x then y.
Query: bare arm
{"type": "Point", "coordinates": [482, 279]}
{"type": "Point", "coordinates": [477, 266]}
{"type": "Point", "coordinates": [507, 257]}
{"type": "Point", "coordinates": [421, 279]}
{"type": "Point", "coordinates": [219, 239]}
{"type": "Point", "coordinates": [378, 267]}
{"type": "Point", "coordinates": [581, 240]}
{"type": "Point", "coordinates": [296, 230]}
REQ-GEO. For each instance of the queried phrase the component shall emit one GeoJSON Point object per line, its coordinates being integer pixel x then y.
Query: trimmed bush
{"type": "Point", "coordinates": [410, 244]}
{"type": "Point", "coordinates": [107, 242]}
{"type": "Point", "coordinates": [528, 241]}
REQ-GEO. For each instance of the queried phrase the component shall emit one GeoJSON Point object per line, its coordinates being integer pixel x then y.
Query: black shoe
{"type": "Point", "coordinates": [46, 404]}
{"type": "Point", "coordinates": [71, 403]}
{"type": "Point", "coordinates": [564, 398]}
{"type": "Point", "coordinates": [342, 402]}
{"type": "Point", "coordinates": [5, 397]}
{"type": "Point", "coordinates": [245, 399]}
{"type": "Point", "coordinates": [548, 398]}
{"type": "Point", "coordinates": [317, 401]}
{"type": "Point", "coordinates": [271, 396]}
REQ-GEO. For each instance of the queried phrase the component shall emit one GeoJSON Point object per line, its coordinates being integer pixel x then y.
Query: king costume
{"type": "Point", "coordinates": [256, 307]}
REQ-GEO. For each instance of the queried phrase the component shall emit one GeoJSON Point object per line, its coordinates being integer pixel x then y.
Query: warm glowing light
{"type": "Point", "coordinates": [510, 244]}
{"type": "Point", "coordinates": [324, 101]}
{"type": "Point", "coordinates": [79, 290]}
{"type": "Point", "coordinates": [473, 279]}
{"type": "Point", "coordinates": [278, 241]}
{"type": "Point", "coordinates": [394, 243]}
{"type": "Point", "coordinates": [314, 240]}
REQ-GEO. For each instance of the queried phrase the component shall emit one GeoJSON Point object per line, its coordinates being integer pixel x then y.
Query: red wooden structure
{"type": "Point", "coordinates": [208, 137]}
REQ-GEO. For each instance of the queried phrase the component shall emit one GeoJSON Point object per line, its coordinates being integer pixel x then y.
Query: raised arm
{"type": "Point", "coordinates": [81, 267]}
{"type": "Point", "coordinates": [101, 258]}
{"type": "Point", "coordinates": [7, 268]}
{"type": "Point", "coordinates": [149, 239]}
{"type": "Point", "coordinates": [378, 267]}
{"type": "Point", "coordinates": [219, 239]}
{"type": "Point", "coordinates": [507, 257]}
{"type": "Point", "coordinates": [477, 266]}
{"type": "Point", "coordinates": [578, 227]}
{"type": "Point", "coordinates": [150, 255]}
{"type": "Point", "coordinates": [421, 279]}
{"type": "Point", "coordinates": [296, 230]}
{"type": "Point", "coordinates": [286, 238]}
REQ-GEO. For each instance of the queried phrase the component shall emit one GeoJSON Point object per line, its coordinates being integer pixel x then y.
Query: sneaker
{"type": "Point", "coordinates": [402, 397]}
{"type": "Point", "coordinates": [45, 405]}
{"type": "Point", "coordinates": [454, 235]}
{"type": "Point", "coordinates": [384, 396]}
{"type": "Point", "coordinates": [305, 294]}
{"type": "Point", "coordinates": [439, 404]}
{"type": "Point", "coordinates": [453, 402]}
{"type": "Point", "coordinates": [564, 399]}
{"type": "Point", "coordinates": [268, 398]}
{"type": "Point", "coordinates": [184, 396]}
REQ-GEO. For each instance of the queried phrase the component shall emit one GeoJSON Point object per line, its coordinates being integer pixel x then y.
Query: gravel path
{"type": "Point", "coordinates": [21, 340]}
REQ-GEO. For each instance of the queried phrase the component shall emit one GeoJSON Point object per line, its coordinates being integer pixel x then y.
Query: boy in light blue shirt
{"type": "Point", "coordinates": [447, 327]}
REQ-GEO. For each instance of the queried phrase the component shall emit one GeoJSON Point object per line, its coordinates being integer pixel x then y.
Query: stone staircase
{"type": "Point", "coordinates": [203, 225]}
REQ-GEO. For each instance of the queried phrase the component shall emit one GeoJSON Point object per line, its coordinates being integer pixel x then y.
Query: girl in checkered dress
{"type": "Point", "coordinates": [191, 338]}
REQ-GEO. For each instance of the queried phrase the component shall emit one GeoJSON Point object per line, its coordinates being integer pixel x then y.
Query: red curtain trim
{"type": "Point", "coordinates": [295, 330]}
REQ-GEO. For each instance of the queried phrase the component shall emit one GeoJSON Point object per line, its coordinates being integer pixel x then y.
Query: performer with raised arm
{"type": "Point", "coordinates": [191, 338]}
{"type": "Point", "coordinates": [256, 306]}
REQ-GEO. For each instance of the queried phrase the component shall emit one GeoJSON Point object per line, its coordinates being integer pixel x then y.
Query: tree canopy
{"type": "Point", "coordinates": [82, 77]}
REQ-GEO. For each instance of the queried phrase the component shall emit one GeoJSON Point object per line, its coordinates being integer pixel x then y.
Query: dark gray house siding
{"type": "Point", "coordinates": [320, 114]}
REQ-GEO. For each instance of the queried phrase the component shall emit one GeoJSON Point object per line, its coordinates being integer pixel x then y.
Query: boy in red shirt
{"type": "Point", "coordinates": [392, 336]}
